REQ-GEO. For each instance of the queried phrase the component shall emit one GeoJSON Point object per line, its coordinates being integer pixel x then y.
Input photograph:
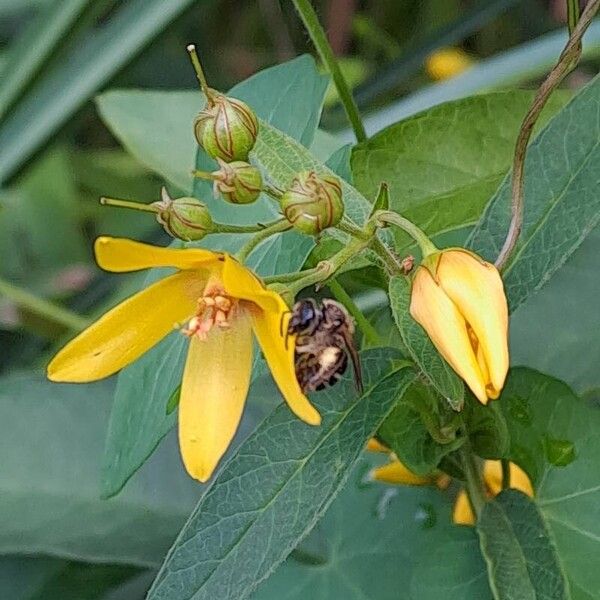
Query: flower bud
{"type": "Point", "coordinates": [184, 218]}
{"type": "Point", "coordinates": [458, 298]}
{"type": "Point", "coordinates": [238, 182]}
{"type": "Point", "coordinates": [313, 203]}
{"type": "Point", "coordinates": [226, 128]}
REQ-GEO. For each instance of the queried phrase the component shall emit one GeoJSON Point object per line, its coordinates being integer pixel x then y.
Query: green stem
{"type": "Point", "coordinates": [417, 234]}
{"type": "Point", "coordinates": [317, 34]}
{"type": "Point", "coordinates": [341, 295]}
{"type": "Point", "coordinates": [505, 473]}
{"type": "Point", "coordinates": [475, 489]}
{"type": "Point", "coordinates": [327, 268]}
{"type": "Point", "coordinates": [203, 175]}
{"type": "Point", "coordinates": [200, 74]}
{"type": "Point", "coordinates": [347, 226]}
{"type": "Point", "coordinates": [572, 14]}
{"type": "Point", "coordinates": [387, 256]}
{"type": "Point", "coordinates": [289, 277]}
{"type": "Point", "coordinates": [227, 228]}
{"type": "Point", "coordinates": [44, 308]}
{"type": "Point", "coordinates": [272, 191]}
{"type": "Point", "coordinates": [263, 234]}
{"type": "Point", "coordinates": [128, 204]}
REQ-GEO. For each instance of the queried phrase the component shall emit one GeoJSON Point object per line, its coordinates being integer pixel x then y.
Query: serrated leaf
{"type": "Point", "coordinates": [443, 164]}
{"type": "Point", "coordinates": [405, 433]}
{"type": "Point", "coordinates": [348, 554]}
{"type": "Point", "coordinates": [138, 419]}
{"type": "Point", "coordinates": [439, 373]}
{"type": "Point", "coordinates": [272, 492]}
{"type": "Point", "coordinates": [522, 559]}
{"type": "Point", "coordinates": [561, 201]}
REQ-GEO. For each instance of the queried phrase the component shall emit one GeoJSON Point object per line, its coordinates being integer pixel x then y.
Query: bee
{"type": "Point", "coordinates": [324, 340]}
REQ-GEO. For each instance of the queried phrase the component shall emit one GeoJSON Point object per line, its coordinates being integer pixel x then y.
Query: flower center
{"type": "Point", "coordinates": [215, 308]}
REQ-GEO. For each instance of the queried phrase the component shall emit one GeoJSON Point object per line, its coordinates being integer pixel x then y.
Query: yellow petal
{"type": "Point", "coordinates": [128, 330]}
{"type": "Point", "coordinates": [445, 326]}
{"type": "Point", "coordinates": [374, 445]}
{"type": "Point", "coordinates": [463, 513]}
{"type": "Point", "coordinates": [270, 328]}
{"type": "Point", "coordinates": [519, 480]}
{"type": "Point", "coordinates": [240, 282]}
{"type": "Point", "coordinates": [121, 255]}
{"type": "Point", "coordinates": [213, 393]}
{"type": "Point", "coordinates": [476, 289]}
{"type": "Point", "coordinates": [396, 473]}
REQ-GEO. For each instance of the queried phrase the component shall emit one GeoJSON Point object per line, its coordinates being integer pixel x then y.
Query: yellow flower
{"type": "Point", "coordinates": [222, 302]}
{"type": "Point", "coordinates": [395, 473]}
{"type": "Point", "coordinates": [492, 477]}
{"type": "Point", "coordinates": [447, 62]}
{"type": "Point", "coordinates": [458, 298]}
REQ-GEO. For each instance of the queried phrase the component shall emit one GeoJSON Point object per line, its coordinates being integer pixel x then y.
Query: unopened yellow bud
{"type": "Point", "coordinates": [458, 298]}
{"type": "Point", "coordinates": [313, 203]}
{"type": "Point", "coordinates": [227, 128]}
{"type": "Point", "coordinates": [185, 218]}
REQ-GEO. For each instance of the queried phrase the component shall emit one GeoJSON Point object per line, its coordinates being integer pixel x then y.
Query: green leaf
{"type": "Point", "coordinates": [569, 349]}
{"type": "Point", "coordinates": [348, 555]}
{"type": "Point", "coordinates": [537, 408]}
{"type": "Point", "coordinates": [272, 492]}
{"type": "Point", "coordinates": [449, 565]}
{"type": "Point", "coordinates": [521, 557]}
{"type": "Point", "coordinates": [405, 432]}
{"type": "Point", "coordinates": [561, 203]}
{"type": "Point", "coordinates": [487, 429]}
{"type": "Point", "coordinates": [51, 442]}
{"type": "Point", "coordinates": [139, 419]}
{"type": "Point", "coordinates": [45, 578]}
{"type": "Point", "coordinates": [443, 164]}
{"type": "Point", "coordinates": [93, 58]}
{"type": "Point", "coordinates": [439, 373]}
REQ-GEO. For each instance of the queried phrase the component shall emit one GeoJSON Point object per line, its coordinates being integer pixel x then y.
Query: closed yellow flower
{"type": "Point", "coordinates": [222, 303]}
{"type": "Point", "coordinates": [492, 478]}
{"type": "Point", "coordinates": [458, 298]}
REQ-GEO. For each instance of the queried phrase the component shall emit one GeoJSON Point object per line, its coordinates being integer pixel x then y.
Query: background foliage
{"type": "Point", "coordinates": [74, 125]}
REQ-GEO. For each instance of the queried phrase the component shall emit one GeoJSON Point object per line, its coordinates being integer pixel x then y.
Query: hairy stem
{"type": "Point", "coordinates": [261, 236]}
{"type": "Point", "coordinates": [417, 234]}
{"type": "Point", "coordinates": [317, 34]}
{"type": "Point", "coordinates": [568, 58]}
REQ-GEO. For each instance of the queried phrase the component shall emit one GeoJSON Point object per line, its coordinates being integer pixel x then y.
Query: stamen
{"type": "Point", "coordinates": [214, 309]}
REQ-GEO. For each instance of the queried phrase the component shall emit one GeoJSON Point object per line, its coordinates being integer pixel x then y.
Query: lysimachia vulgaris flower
{"type": "Point", "coordinates": [395, 472]}
{"type": "Point", "coordinates": [458, 298]}
{"type": "Point", "coordinates": [218, 303]}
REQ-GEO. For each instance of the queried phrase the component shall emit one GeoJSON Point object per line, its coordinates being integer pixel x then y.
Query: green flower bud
{"type": "Point", "coordinates": [184, 218]}
{"type": "Point", "coordinates": [238, 182]}
{"type": "Point", "coordinates": [226, 128]}
{"type": "Point", "coordinates": [313, 203]}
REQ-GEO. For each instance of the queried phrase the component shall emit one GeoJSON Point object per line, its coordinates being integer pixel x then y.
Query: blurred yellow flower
{"type": "Point", "coordinates": [222, 302]}
{"type": "Point", "coordinates": [458, 298]}
{"type": "Point", "coordinates": [396, 473]}
{"type": "Point", "coordinates": [492, 477]}
{"type": "Point", "coordinates": [447, 62]}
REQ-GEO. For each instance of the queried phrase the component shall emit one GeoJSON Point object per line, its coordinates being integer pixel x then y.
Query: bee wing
{"type": "Point", "coordinates": [349, 343]}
